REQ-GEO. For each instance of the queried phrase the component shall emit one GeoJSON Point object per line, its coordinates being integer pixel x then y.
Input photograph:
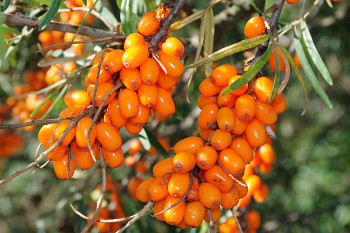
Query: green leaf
{"type": "Point", "coordinates": [276, 82]}
{"type": "Point", "coordinates": [55, 5]}
{"type": "Point", "coordinates": [181, 23]}
{"type": "Point", "coordinates": [310, 73]}
{"type": "Point", "coordinates": [209, 38]}
{"type": "Point", "coordinates": [250, 74]}
{"type": "Point", "coordinates": [107, 14]}
{"type": "Point", "coordinates": [144, 140]}
{"type": "Point", "coordinates": [59, 97]}
{"type": "Point", "coordinates": [119, 4]}
{"type": "Point", "coordinates": [127, 23]}
{"type": "Point", "coordinates": [9, 30]}
{"type": "Point", "coordinates": [229, 50]}
{"type": "Point", "coordinates": [151, 4]}
{"type": "Point", "coordinates": [6, 4]}
{"type": "Point", "coordinates": [85, 3]}
{"type": "Point", "coordinates": [314, 55]}
{"type": "Point", "coordinates": [160, 149]}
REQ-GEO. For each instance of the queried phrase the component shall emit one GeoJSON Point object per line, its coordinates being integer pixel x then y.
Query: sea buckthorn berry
{"type": "Point", "coordinates": [240, 125]}
{"type": "Point", "coordinates": [208, 115]}
{"type": "Point", "coordinates": [142, 116]}
{"type": "Point", "coordinates": [173, 46]}
{"type": "Point", "coordinates": [101, 93]}
{"type": "Point", "coordinates": [193, 193]}
{"type": "Point", "coordinates": [189, 144]}
{"type": "Point", "coordinates": [225, 119]}
{"type": "Point", "coordinates": [209, 195]}
{"type": "Point", "coordinates": [135, 56]}
{"type": "Point", "coordinates": [141, 192]}
{"type": "Point", "coordinates": [226, 100]}
{"type": "Point", "coordinates": [240, 91]}
{"type": "Point", "coordinates": [162, 167]}
{"type": "Point", "coordinates": [128, 103]}
{"type": "Point", "coordinates": [220, 140]}
{"type": "Point", "coordinates": [253, 219]}
{"type": "Point", "coordinates": [134, 39]}
{"type": "Point", "coordinates": [159, 206]}
{"type": "Point", "coordinates": [222, 74]}
{"type": "Point", "coordinates": [219, 178]}
{"type": "Point", "coordinates": [245, 107]}
{"type": "Point", "coordinates": [71, 111]}
{"type": "Point", "coordinates": [230, 199]}
{"type": "Point", "coordinates": [81, 134]}
{"type": "Point", "coordinates": [157, 189]}
{"type": "Point", "coordinates": [272, 60]}
{"type": "Point", "coordinates": [108, 136]}
{"type": "Point", "coordinates": [206, 133]}
{"type": "Point", "coordinates": [64, 167]}
{"type": "Point", "coordinates": [255, 133]}
{"type": "Point", "coordinates": [184, 162]}
{"type": "Point", "coordinates": [297, 61]}
{"type": "Point", "coordinates": [172, 64]}
{"type": "Point", "coordinates": [116, 117]}
{"type": "Point", "coordinates": [149, 71]}
{"type": "Point", "coordinates": [242, 147]}
{"type": "Point", "coordinates": [165, 104]}
{"type": "Point", "coordinates": [113, 61]}
{"type": "Point", "coordinates": [58, 152]}
{"type": "Point", "coordinates": [207, 88]}
{"type": "Point", "coordinates": [263, 89]}
{"type": "Point", "coordinates": [165, 82]}
{"type": "Point", "coordinates": [176, 214]}
{"type": "Point", "coordinates": [141, 166]}
{"type": "Point", "coordinates": [215, 213]}
{"type": "Point", "coordinates": [178, 184]}
{"type": "Point", "coordinates": [148, 94]}
{"type": "Point", "coordinates": [244, 202]}
{"type": "Point", "coordinates": [242, 190]}
{"type": "Point", "coordinates": [267, 154]}
{"type": "Point", "coordinates": [279, 103]}
{"type": "Point", "coordinates": [133, 128]}
{"type": "Point", "coordinates": [260, 195]}
{"type": "Point", "coordinates": [254, 27]}
{"type": "Point", "coordinates": [194, 214]}
{"type": "Point", "coordinates": [203, 101]}
{"type": "Point", "coordinates": [232, 162]}
{"type": "Point", "coordinates": [294, 2]}
{"type": "Point", "coordinates": [206, 157]}
{"type": "Point", "coordinates": [103, 76]}
{"type": "Point", "coordinates": [265, 113]}
{"type": "Point", "coordinates": [135, 146]}
{"type": "Point", "coordinates": [131, 78]}
{"type": "Point", "coordinates": [61, 127]}
{"type": "Point", "coordinates": [148, 24]}
{"type": "Point", "coordinates": [45, 133]}
{"type": "Point", "coordinates": [97, 57]}
{"type": "Point", "coordinates": [83, 157]}
{"type": "Point", "coordinates": [77, 97]}
{"type": "Point", "coordinates": [253, 183]}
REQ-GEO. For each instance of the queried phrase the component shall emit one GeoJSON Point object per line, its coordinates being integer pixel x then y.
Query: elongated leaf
{"type": "Point", "coordinates": [85, 3]}
{"type": "Point", "coordinates": [107, 14]}
{"type": "Point", "coordinates": [310, 73]}
{"type": "Point", "coordinates": [249, 75]}
{"type": "Point", "coordinates": [209, 39]}
{"type": "Point", "coordinates": [6, 4]}
{"type": "Point", "coordinates": [151, 4]}
{"type": "Point", "coordinates": [144, 140]}
{"type": "Point", "coordinates": [181, 23]}
{"type": "Point", "coordinates": [51, 87]}
{"type": "Point", "coordinates": [297, 71]}
{"type": "Point", "coordinates": [229, 50]}
{"type": "Point", "coordinates": [156, 143]}
{"type": "Point", "coordinates": [59, 97]}
{"type": "Point", "coordinates": [55, 5]}
{"type": "Point", "coordinates": [128, 25]}
{"type": "Point", "coordinates": [277, 77]}
{"type": "Point", "coordinates": [314, 55]}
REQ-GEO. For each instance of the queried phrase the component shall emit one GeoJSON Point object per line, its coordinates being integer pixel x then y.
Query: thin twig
{"type": "Point", "coordinates": [211, 221]}
{"type": "Point", "coordinates": [236, 220]}
{"type": "Point", "coordinates": [230, 175]}
{"type": "Point", "coordinates": [34, 122]}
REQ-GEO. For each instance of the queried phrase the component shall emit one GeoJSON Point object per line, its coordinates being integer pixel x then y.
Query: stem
{"type": "Point", "coordinates": [35, 122]}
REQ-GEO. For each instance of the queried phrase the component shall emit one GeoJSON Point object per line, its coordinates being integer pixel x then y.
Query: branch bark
{"type": "Point", "coordinates": [22, 20]}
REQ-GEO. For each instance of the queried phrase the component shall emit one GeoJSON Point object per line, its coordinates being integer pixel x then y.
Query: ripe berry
{"type": "Point", "coordinates": [131, 78]}
{"type": "Point", "coordinates": [225, 119]}
{"type": "Point", "coordinates": [253, 183]}
{"type": "Point", "coordinates": [194, 214]}
{"type": "Point", "coordinates": [206, 157]}
{"type": "Point", "coordinates": [215, 213]}
{"type": "Point", "coordinates": [193, 193]}
{"type": "Point", "coordinates": [162, 167]}
{"type": "Point", "coordinates": [97, 57]}
{"type": "Point", "coordinates": [150, 71]}
{"type": "Point", "coordinates": [220, 140]}
{"type": "Point", "coordinates": [265, 113]}
{"type": "Point", "coordinates": [240, 91]}
{"type": "Point", "coordinates": [240, 125]}
{"type": "Point", "coordinates": [142, 115]}
{"type": "Point", "coordinates": [101, 93]}
{"type": "Point", "coordinates": [184, 162]}
{"type": "Point", "coordinates": [230, 199]}
{"type": "Point", "coordinates": [207, 88]}
{"type": "Point", "coordinates": [128, 103]}
{"type": "Point", "coordinates": [225, 100]}
{"type": "Point", "coordinates": [159, 206]}
{"type": "Point", "coordinates": [83, 157]}
{"type": "Point", "coordinates": [148, 94]}
{"type": "Point", "coordinates": [263, 89]}
{"type": "Point", "coordinates": [115, 115]}
{"type": "Point", "coordinates": [133, 128]}
{"type": "Point", "coordinates": [178, 184]}
{"type": "Point", "coordinates": [296, 1]}
{"type": "Point", "coordinates": [209, 195]}
{"type": "Point", "coordinates": [254, 27]}
{"type": "Point", "coordinates": [81, 134]}
{"type": "Point", "coordinates": [260, 195]}
{"type": "Point", "coordinates": [165, 82]}
{"type": "Point", "coordinates": [77, 97]}
{"type": "Point", "coordinates": [103, 76]}
{"type": "Point", "coordinates": [245, 107]}
{"type": "Point", "coordinates": [279, 103]}
{"type": "Point", "coordinates": [267, 154]}
{"type": "Point", "coordinates": [113, 61]}
{"type": "Point", "coordinates": [255, 133]}
{"type": "Point", "coordinates": [189, 144]}
{"type": "Point", "coordinates": [108, 136]}
{"type": "Point", "coordinates": [219, 178]}
{"type": "Point", "coordinates": [206, 133]}
{"type": "Point", "coordinates": [222, 74]}
{"type": "Point", "coordinates": [242, 147]}
{"type": "Point", "coordinates": [253, 219]}
{"type": "Point", "coordinates": [208, 115]}
{"type": "Point", "coordinates": [64, 167]}
{"type": "Point", "coordinates": [45, 132]}
{"type": "Point", "coordinates": [173, 46]}
{"type": "Point", "coordinates": [172, 64]}
{"type": "Point", "coordinates": [165, 104]}
{"type": "Point", "coordinates": [232, 162]}
{"type": "Point", "coordinates": [60, 128]}
{"type": "Point", "coordinates": [148, 24]}
{"type": "Point", "coordinates": [133, 39]}
{"type": "Point", "coordinates": [176, 214]}
{"type": "Point", "coordinates": [58, 152]}
{"type": "Point", "coordinates": [141, 192]}
{"type": "Point", "coordinates": [272, 60]}
{"type": "Point", "coordinates": [135, 56]}
{"type": "Point", "coordinates": [157, 189]}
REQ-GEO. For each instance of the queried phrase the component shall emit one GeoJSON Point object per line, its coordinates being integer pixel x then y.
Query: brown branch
{"type": "Point", "coordinates": [236, 220]}
{"type": "Point", "coordinates": [35, 122]}
{"type": "Point", "coordinates": [211, 221]}
{"type": "Point", "coordinates": [22, 20]}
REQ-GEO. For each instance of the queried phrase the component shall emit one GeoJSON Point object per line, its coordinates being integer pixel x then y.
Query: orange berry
{"type": "Point", "coordinates": [220, 140]}
{"type": "Point", "coordinates": [193, 193]}
{"type": "Point", "coordinates": [64, 167]}
{"type": "Point", "coordinates": [272, 60]}
{"type": "Point", "coordinates": [133, 128]}
{"type": "Point", "coordinates": [142, 116]}
{"type": "Point", "coordinates": [260, 195]}
{"type": "Point", "coordinates": [230, 199]}
{"type": "Point", "coordinates": [141, 192]}
{"type": "Point", "coordinates": [157, 189]}
{"type": "Point", "coordinates": [178, 184]}
{"type": "Point", "coordinates": [162, 167]}
{"type": "Point", "coordinates": [279, 103]}
{"type": "Point", "coordinates": [135, 56]}
{"type": "Point", "coordinates": [60, 128]}
{"type": "Point", "coordinates": [226, 100]}
{"type": "Point", "coordinates": [254, 27]}
{"type": "Point", "coordinates": [101, 93]}
{"type": "Point", "coordinates": [194, 214]}
{"type": "Point", "coordinates": [203, 101]}
{"type": "Point", "coordinates": [206, 133]}
{"type": "Point", "coordinates": [215, 213]}
{"type": "Point", "coordinates": [97, 57]}
{"type": "Point", "coordinates": [165, 104]}
{"type": "Point", "coordinates": [263, 89]}
{"type": "Point", "coordinates": [242, 147]}
{"type": "Point", "coordinates": [267, 154]}
{"type": "Point", "coordinates": [225, 119]}
{"type": "Point", "coordinates": [239, 126]}
{"type": "Point", "coordinates": [253, 219]}
{"type": "Point", "coordinates": [103, 76]}
{"type": "Point", "coordinates": [244, 202]}
{"type": "Point", "coordinates": [222, 74]}
{"type": "Point", "coordinates": [240, 91]}
{"type": "Point", "coordinates": [297, 61]}
{"type": "Point", "coordinates": [165, 82]}
{"type": "Point", "coordinates": [148, 24]}
{"type": "Point", "coordinates": [173, 46]}
{"type": "Point", "coordinates": [184, 162]}
{"type": "Point", "coordinates": [189, 144]}
{"type": "Point", "coordinates": [245, 107]}
{"type": "Point", "coordinates": [253, 183]}
{"type": "Point", "coordinates": [77, 97]}
{"type": "Point", "coordinates": [242, 190]}
{"type": "Point", "coordinates": [265, 113]}
{"type": "Point", "coordinates": [58, 152]}
{"type": "Point", "coordinates": [131, 78]}
{"type": "Point", "coordinates": [45, 132]}
{"type": "Point", "coordinates": [148, 94]}
{"type": "Point", "coordinates": [141, 166]}
{"type": "Point", "coordinates": [133, 39]}
{"type": "Point", "coordinates": [149, 71]}
{"type": "Point", "coordinates": [81, 134]}
{"type": "Point", "coordinates": [83, 157]}
{"type": "Point", "coordinates": [219, 178]}
{"type": "Point", "coordinates": [208, 115]}
{"type": "Point", "coordinates": [172, 64]}
{"type": "Point", "coordinates": [108, 136]}
{"type": "Point", "coordinates": [159, 206]}
{"type": "Point", "coordinates": [176, 214]}
{"type": "Point", "coordinates": [207, 88]}
{"type": "Point", "coordinates": [255, 133]}
{"type": "Point", "coordinates": [209, 195]}
{"type": "Point", "coordinates": [206, 157]}
{"type": "Point", "coordinates": [135, 146]}
{"type": "Point", "coordinates": [113, 61]}
{"type": "Point", "coordinates": [232, 162]}
{"type": "Point", "coordinates": [116, 117]}
{"type": "Point", "coordinates": [128, 103]}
